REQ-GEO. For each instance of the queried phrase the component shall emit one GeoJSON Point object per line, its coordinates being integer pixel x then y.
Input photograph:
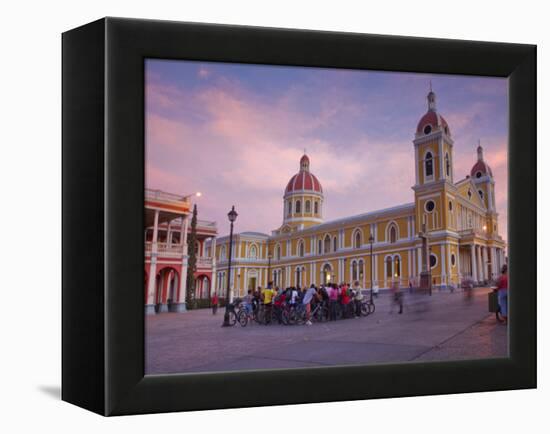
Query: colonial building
{"type": "Point", "coordinates": [458, 218]}
{"type": "Point", "coordinates": [167, 223]}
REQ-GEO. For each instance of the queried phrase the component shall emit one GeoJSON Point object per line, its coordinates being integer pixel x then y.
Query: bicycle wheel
{"type": "Point", "coordinates": [372, 308]}
{"type": "Point", "coordinates": [232, 318]}
{"type": "Point", "coordinates": [242, 317]}
{"type": "Point", "coordinates": [365, 309]}
{"type": "Point", "coordinates": [298, 317]}
{"type": "Point", "coordinates": [323, 314]}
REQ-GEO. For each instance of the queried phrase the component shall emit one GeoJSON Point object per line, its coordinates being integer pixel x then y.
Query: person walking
{"type": "Point", "coordinates": [502, 288]}
{"type": "Point", "coordinates": [308, 297]}
{"type": "Point", "coordinates": [214, 304]}
{"type": "Point", "coordinates": [397, 297]}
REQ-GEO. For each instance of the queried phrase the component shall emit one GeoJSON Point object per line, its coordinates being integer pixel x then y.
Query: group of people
{"type": "Point", "coordinates": [275, 299]}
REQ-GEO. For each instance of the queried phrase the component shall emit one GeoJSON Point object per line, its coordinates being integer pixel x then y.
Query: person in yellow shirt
{"type": "Point", "coordinates": [267, 297]}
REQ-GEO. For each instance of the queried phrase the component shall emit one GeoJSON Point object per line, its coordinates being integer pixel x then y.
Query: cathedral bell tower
{"type": "Point", "coordinates": [434, 173]}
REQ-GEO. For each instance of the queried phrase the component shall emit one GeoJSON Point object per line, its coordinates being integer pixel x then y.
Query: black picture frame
{"type": "Point", "coordinates": [103, 202]}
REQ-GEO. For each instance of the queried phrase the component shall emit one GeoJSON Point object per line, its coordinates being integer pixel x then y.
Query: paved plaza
{"type": "Point", "coordinates": [445, 326]}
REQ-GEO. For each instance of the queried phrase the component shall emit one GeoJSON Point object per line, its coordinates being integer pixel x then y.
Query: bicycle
{"type": "Point", "coordinates": [320, 312]}
{"type": "Point", "coordinates": [367, 307]}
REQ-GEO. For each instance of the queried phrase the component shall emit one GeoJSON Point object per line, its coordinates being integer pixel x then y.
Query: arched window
{"type": "Point", "coordinates": [320, 247]}
{"type": "Point", "coordinates": [222, 253]}
{"type": "Point", "coordinates": [289, 207]}
{"type": "Point", "coordinates": [354, 276]}
{"type": "Point", "coordinates": [357, 241]}
{"type": "Point", "coordinates": [429, 164]}
{"type": "Point", "coordinates": [480, 193]}
{"type": "Point", "coordinates": [278, 252]}
{"type": "Point", "coordinates": [298, 207]}
{"type": "Point", "coordinates": [316, 208]}
{"type": "Point", "coordinates": [447, 164]}
{"type": "Point", "coordinates": [298, 277]}
{"type": "Point", "coordinates": [393, 234]}
{"type": "Point", "coordinates": [301, 249]}
{"type": "Point", "coordinates": [388, 267]}
{"type": "Point", "coordinates": [327, 244]}
{"type": "Point", "coordinates": [361, 268]}
{"type": "Point", "coordinates": [397, 267]}
{"type": "Point", "coordinates": [308, 206]}
{"type": "Point", "coordinates": [326, 274]}
{"type": "Point", "coordinates": [253, 252]}
{"type": "Point", "coordinates": [334, 244]}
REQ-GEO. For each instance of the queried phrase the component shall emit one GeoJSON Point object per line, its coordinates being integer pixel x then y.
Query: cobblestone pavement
{"type": "Point", "coordinates": [445, 326]}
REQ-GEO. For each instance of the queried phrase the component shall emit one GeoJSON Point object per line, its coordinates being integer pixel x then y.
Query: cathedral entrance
{"type": "Point", "coordinates": [252, 280]}
{"type": "Point", "coordinates": [326, 274]}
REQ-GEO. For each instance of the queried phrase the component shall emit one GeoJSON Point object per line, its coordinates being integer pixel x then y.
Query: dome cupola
{"type": "Point", "coordinates": [303, 199]}
{"type": "Point", "coordinates": [481, 168]}
{"type": "Point", "coordinates": [304, 180]}
{"type": "Point", "coordinates": [432, 121]}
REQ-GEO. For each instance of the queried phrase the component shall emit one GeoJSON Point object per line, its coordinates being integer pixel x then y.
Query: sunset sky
{"type": "Point", "coordinates": [236, 133]}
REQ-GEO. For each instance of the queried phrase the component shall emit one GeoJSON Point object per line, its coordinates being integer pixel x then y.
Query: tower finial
{"type": "Point", "coordinates": [431, 99]}
{"type": "Point", "coordinates": [479, 150]}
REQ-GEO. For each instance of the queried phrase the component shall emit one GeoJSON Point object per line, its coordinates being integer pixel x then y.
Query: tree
{"type": "Point", "coordinates": [192, 261]}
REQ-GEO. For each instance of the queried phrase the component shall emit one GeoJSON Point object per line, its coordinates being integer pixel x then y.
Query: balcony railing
{"type": "Point", "coordinates": [163, 196]}
{"type": "Point", "coordinates": [204, 262]}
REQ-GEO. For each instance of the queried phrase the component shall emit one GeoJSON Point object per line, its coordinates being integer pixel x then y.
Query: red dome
{"type": "Point", "coordinates": [481, 167]}
{"type": "Point", "coordinates": [435, 120]}
{"type": "Point", "coordinates": [304, 179]}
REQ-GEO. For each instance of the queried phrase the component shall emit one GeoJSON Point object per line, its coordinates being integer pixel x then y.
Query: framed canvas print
{"type": "Point", "coordinates": [258, 216]}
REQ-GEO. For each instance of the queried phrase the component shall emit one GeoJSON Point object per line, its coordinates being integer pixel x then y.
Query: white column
{"type": "Point", "coordinates": [443, 264]}
{"type": "Point", "coordinates": [375, 270]}
{"type": "Point", "coordinates": [419, 259]}
{"type": "Point", "coordinates": [409, 265]}
{"type": "Point", "coordinates": [153, 268]}
{"type": "Point", "coordinates": [180, 306]}
{"type": "Point", "coordinates": [458, 271]}
{"type": "Point", "coordinates": [480, 264]}
{"type": "Point", "coordinates": [473, 259]}
{"type": "Point", "coordinates": [485, 263]}
{"type": "Point", "coordinates": [213, 256]}
{"type": "Point", "coordinates": [494, 262]}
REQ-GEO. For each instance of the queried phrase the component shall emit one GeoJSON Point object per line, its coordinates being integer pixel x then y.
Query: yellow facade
{"type": "Point", "coordinates": [459, 222]}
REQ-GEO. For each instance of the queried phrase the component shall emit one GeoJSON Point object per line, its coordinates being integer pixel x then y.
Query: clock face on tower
{"type": "Point", "coordinates": [427, 129]}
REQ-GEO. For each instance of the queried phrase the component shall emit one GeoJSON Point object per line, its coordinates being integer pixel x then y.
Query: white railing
{"type": "Point", "coordinates": [203, 261]}
{"type": "Point", "coordinates": [163, 196]}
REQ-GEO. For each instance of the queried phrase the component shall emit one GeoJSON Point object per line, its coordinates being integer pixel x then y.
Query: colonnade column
{"type": "Point", "coordinates": [150, 306]}
{"type": "Point", "coordinates": [443, 265]}
{"type": "Point", "coordinates": [479, 264]}
{"type": "Point", "coordinates": [182, 293]}
{"type": "Point", "coordinates": [213, 256]}
{"type": "Point", "coordinates": [486, 264]}
{"type": "Point", "coordinates": [473, 260]}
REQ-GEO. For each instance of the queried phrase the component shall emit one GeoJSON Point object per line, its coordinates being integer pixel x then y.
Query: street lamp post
{"type": "Point", "coordinates": [232, 215]}
{"type": "Point", "coordinates": [371, 241]}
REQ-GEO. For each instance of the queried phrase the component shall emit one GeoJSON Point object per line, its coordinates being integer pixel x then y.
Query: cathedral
{"type": "Point", "coordinates": [448, 232]}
